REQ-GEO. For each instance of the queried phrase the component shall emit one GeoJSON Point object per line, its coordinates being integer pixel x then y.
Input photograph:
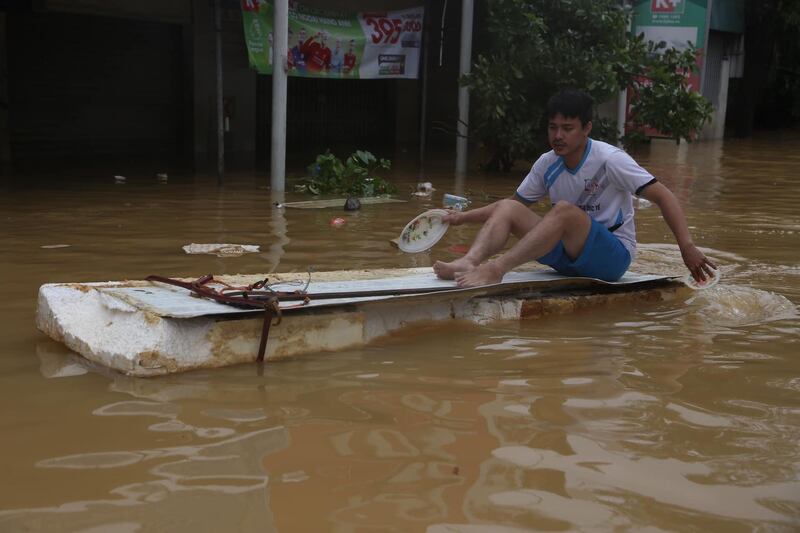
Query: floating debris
{"type": "Point", "coordinates": [424, 190]}
{"type": "Point", "coordinates": [338, 222]}
{"type": "Point", "coordinates": [221, 250]}
{"type": "Point", "coordinates": [52, 246]}
{"type": "Point", "coordinates": [352, 204]}
{"type": "Point", "coordinates": [162, 177]}
{"type": "Point", "coordinates": [454, 202]}
{"type": "Point", "coordinates": [459, 249]}
{"type": "Point", "coordinates": [120, 179]}
{"type": "Point", "coordinates": [338, 202]}
{"type": "Point", "coordinates": [294, 477]}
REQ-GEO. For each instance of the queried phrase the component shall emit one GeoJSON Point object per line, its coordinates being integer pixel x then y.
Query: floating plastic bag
{"type": "Point", "coordinates": [454, 202]}
{"type": "Point", "coordinates": [221, 250]}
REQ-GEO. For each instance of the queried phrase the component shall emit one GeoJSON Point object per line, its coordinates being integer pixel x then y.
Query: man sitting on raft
{"type": "Point", "coordinates": [589, 231]}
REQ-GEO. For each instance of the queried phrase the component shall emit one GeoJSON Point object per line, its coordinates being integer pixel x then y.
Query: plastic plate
{"type": "Point", "coordinates": [423, 232]}
{"type": "Point", "coordinates": [707, 284]}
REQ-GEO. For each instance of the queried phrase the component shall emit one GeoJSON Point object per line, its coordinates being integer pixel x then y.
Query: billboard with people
{"type": "Point", "coordinates": [336, 44]}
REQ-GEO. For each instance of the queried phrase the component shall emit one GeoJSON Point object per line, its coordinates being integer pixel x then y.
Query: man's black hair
{"type": "Point", "coordinates": [572, 103]}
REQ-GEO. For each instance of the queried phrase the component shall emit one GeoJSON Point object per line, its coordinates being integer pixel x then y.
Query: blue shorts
{"type": "Point", "coordinates": [603, 257]}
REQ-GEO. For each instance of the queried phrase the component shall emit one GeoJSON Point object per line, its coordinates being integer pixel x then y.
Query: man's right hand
{"type": "Point", "coordinates": [453, 217]}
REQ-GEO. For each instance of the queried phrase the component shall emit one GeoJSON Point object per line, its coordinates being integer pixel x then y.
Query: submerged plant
{"type": "Point", "coordinates": [353, 177]}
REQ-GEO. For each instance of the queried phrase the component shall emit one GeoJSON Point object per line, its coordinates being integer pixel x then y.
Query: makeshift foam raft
{"type": "Point", "coordinates": [146, 328]}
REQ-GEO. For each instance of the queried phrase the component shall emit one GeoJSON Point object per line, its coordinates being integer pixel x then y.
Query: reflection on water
{"type": "Point", "coordinates": [174, 483]}
{"type": "Point", "coordinates": [591, 468]}
{"type": "Point", "coordinates": [674, 415]}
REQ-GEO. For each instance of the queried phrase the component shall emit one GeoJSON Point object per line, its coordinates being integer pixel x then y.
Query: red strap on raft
{"type": "Point", "coordinates": [248, 297]}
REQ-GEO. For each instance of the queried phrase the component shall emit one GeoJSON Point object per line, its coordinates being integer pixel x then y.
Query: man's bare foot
{"type": "Point", "coordinates": [485, 274]}
{"type": "Point", "coordinates": [448, 270]}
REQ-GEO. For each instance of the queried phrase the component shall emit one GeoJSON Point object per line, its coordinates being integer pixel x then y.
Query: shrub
{"type": "Point", "coordinates": [355, 177]}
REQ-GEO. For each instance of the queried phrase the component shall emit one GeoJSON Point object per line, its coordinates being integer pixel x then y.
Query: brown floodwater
{"type": "Point", "coordinates": [680, 415]}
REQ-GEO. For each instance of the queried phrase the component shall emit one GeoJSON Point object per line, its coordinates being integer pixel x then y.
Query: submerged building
{"type": "Point", "coordinates": [90, 81]}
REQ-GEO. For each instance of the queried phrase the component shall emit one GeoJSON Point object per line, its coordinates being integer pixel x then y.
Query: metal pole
{"type": "Point", "coordinates": [220, 117]}
{"type": "Point", "coordinates": [424, 98]}
{"type": "Point", "coordinates": [722, 99]}
{"type": "Point", "coordinates": [622, 108]}
{"type": "Point", "coordinates": [709, 7]}
{"type": "Point", "coordinates": [277, 169]}
{"type": "Point", "coordinates": [463, 92]}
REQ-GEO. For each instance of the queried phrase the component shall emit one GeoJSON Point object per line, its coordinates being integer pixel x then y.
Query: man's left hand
{"type": "Point", "coordinates": [698, 264]}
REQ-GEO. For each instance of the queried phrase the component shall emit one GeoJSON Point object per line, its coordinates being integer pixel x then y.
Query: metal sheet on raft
{"type": "Point", "coordinates": [175, 302]}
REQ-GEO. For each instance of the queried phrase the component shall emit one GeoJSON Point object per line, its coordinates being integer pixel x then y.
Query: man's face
{"type": "Point", "coordinates": [301, 37]}
{"type": "Point", "coordinates": [567, 135]}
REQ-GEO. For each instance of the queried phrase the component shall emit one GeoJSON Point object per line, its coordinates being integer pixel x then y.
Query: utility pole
{"type": "Point", "coordinates": [423, 113]}
{"type": "Point", "coordinates": [220, 117]}
{"type": "Point", "coordinates": [277, 169]}
{"type": "Point", "coordinates": [467, 7]}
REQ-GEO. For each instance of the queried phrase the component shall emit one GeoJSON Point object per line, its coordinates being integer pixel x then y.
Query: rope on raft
{"type": "Point", "coordinates": [258, 295]}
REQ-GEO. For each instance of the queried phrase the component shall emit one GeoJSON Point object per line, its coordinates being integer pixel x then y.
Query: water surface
{"type": "Point", "coordinates": [680, 415]}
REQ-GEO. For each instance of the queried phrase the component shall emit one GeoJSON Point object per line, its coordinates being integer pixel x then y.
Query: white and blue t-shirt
{"type": "Point", "coordinates": [602, 185]}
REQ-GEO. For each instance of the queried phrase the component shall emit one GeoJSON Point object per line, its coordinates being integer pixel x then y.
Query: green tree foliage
{"type": "Point", "coordinates": [661, 98]}
{"type": "Point", "coordinates": [536, 47]}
